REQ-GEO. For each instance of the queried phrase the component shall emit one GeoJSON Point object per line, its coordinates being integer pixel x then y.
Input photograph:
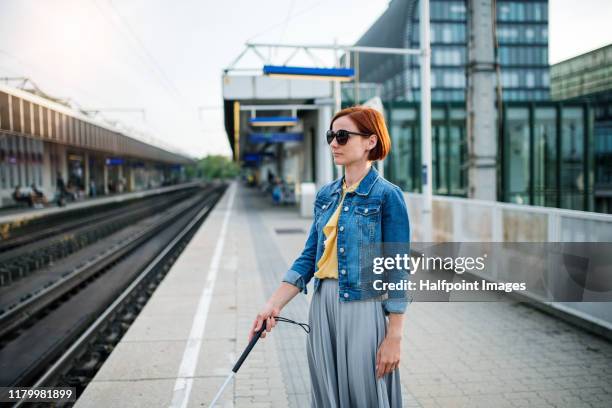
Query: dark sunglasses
{"type": "Point", "coordinates": [342, 136]}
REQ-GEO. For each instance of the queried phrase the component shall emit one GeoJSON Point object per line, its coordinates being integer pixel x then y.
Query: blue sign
{"type": "Point", "coordinates": [251, 157]}
{"type": "Point", "coordinates": [275, 137]}
{"type": "Point", "coordinates": [338, 73]}
{"type": "Point", "coordinates": [114, 161]}
{"type": "Point", "coordinates": [274, 121]}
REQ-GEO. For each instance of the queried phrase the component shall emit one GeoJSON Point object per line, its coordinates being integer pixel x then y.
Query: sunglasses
{"type": "Point", "coordinates": [342, 136]}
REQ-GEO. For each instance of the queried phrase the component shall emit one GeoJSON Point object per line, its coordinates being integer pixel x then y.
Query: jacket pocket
{"type": "Point", "coordinates": [321, 207]}
{"type": "Point", "coordinates": [368, 220]}
{"type": "Point", "coordinates": [368, 210]}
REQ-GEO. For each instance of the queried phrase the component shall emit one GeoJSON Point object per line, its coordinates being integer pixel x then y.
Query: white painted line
{"type": "Point", "coordinates": [184, 380]}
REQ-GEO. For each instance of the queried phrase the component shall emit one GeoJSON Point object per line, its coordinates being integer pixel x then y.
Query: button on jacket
{"type": "Point", "coordinates": [327, 266]}
{"type": "Point", "coordinates": [374, 214]}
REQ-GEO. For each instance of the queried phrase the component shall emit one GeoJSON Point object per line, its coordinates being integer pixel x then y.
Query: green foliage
{"type": "Point", "coordinates": [215, 167]}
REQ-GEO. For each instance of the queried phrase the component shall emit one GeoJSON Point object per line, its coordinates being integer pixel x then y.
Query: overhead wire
{"type": "Point", "coordinates": [286, 20]}
{"type": "Point", "coordinates": [168, 83]}
{"type": "Point", "coordinates": [146, 57]}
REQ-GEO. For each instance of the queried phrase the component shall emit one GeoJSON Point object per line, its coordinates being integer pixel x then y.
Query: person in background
{"type": "Point", "coordinates": [277, 191]}
{"type": "Point", "coordinates": [92, 188]}
{"type": "Point", "coordinates": [38, 197]}
{"type": "Point", "coordinates": [22, 197]}
{"type": "Point", "coordinates": [61, 190]}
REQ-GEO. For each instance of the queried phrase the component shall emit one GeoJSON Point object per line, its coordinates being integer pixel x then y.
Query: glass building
{"type": "Point", "coordinates": [546, 152]}
{"type": "Point", "coordinates": [588, 78]}
{"type": "Point", "coordinates": [521, 29]}
{"type": "Point", "coordinates": [545, 148]}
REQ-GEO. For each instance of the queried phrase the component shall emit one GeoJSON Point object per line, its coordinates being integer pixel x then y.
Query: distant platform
{"type": "Point", "coordinates": [19, 216]}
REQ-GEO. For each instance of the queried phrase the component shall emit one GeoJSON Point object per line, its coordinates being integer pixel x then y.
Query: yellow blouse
{"type": "Point", "coordinates": [328, 264]}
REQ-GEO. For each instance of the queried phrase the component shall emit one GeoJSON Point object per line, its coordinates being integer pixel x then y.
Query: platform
{"type": "Point", "coordinates": [184, 343]}
{"type": "Point", "coordinates": [23, 215]}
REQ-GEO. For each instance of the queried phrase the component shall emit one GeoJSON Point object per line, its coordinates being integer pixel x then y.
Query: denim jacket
{"type": "Point", "coordinates": [375, 213]}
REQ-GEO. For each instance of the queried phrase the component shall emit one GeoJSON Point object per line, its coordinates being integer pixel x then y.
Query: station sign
{"type": "Point", "coordinates": [272, 137]}
{"type": "Point", "coordinates": [114, 161]}
{"type": "Point", "coordinates": [274, 121]}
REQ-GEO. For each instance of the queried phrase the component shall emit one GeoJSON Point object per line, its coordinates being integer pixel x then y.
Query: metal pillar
{"type": "Point", "coordinates": [237, 131]}
{"type": "Point", "coordinates": [426, 172]}
{"type": "Point", "coordinates": [323, 173]}
{"type": "Point", "coordinates": [338, 93]}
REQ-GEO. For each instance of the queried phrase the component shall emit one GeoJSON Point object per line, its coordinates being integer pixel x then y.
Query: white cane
{"type": "Point", "coordinates": [248, 349]}
{"type": "Point", "coordinates": [243, 357]}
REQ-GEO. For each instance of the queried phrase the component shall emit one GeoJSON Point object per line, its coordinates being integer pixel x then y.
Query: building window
{"type": "Point", "coordinates": [510, 79]}
{"type": "Point", "coordinates": [545, 154]}
{"type": "Point", "coordinates": [522, 34]}
{"type": "Point", "coordinates": [447, 56]}
{"type": "Point", "coordinates": [508, 34]}
{"type": "Point", "coordinates": [517, 156]}
{"type": "Point", "coordinates": [447, 10]}
{"type": "Point", "coordinates": [530, 80]}
{"type": "Point", "coordinates": [523, 55]}
{"type": "Point", "coordinates": [522, 11]}
{"type": "Point", "coordinates": [445, 33]}
{"type": "Point", "coordinates": [416, 83]}
{"type": "Point", "coordinates": [453, 80]}
{"type": "Point", "coordinates": [572, 156]}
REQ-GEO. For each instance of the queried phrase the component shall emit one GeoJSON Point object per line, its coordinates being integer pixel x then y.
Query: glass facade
{"type": "Point", "coordinates": [522, 38]}
{"type": "Point", "coordinates": [588, 78]}
{"type": "Point", "coordinates": [449, 149]}
{"type": "Point", "coordinates": [448, 33]}
{"type": "Point", "coordinates": [603, 157]}
{"type": "Point", "coordinates": [545, 152]}
{"type": "Point", "coordinates": [517, 156]}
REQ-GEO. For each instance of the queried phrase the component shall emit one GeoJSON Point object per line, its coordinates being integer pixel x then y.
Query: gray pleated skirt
{"type": "Point", "coordinates": [342, 346]}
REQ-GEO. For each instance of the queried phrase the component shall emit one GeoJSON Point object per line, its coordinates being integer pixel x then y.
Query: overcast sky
{"type": "Point", "coordinates": [166, 56]}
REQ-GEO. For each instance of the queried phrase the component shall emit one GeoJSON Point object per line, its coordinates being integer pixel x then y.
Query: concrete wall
{"type": "Point", "coordinates": [478, 221]}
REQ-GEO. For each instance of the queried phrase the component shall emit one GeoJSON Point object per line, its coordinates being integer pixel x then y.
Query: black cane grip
{"type": "Point", "coordinates": [249, 347]}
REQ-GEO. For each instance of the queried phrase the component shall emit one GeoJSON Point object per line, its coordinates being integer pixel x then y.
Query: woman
{"type": "Point", "coordinates": [356, 330]}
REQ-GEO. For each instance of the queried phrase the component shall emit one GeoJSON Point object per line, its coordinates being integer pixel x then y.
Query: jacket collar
{"type": "Point", "coordinates": [364, 187]}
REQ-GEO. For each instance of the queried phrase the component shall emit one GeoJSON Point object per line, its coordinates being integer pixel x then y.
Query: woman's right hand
{"type": "Point", "coordinates": [268, 313]}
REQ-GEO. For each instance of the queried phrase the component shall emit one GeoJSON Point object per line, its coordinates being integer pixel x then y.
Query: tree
{"type": "Point", "coordinates": [216, 167]}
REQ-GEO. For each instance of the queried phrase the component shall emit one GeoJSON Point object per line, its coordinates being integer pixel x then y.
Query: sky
{"type": "Point", "coordinates": [166, 57]}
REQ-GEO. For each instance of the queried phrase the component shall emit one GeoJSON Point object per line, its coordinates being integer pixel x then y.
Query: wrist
{"type": "Point", "coordinates": [394, 334]}
{"type": "Point", "coordinates": [275, 304]}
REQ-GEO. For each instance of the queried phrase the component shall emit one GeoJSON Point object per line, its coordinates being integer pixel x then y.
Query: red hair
{"type": "Point", "coordinates": [371, 121]}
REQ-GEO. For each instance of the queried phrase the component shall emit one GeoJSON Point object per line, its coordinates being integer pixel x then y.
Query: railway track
{"type": "Point", "coordinates": [37, 228]}
{"type": "Point", "coordinates": [61, 336]}
{"type": "Point", "coordinates": [33, 251]}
